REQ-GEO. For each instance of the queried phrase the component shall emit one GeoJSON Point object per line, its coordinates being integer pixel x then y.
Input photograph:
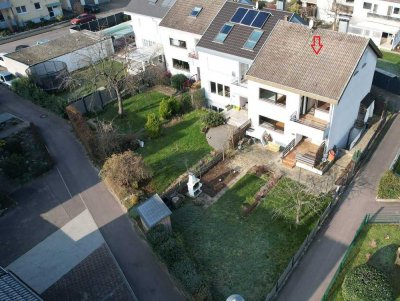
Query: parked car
{"type": "Point", "coordinates": [83, 18]}
{"type": "Point", "coordinates": [91, 8]}
{"type": "Point", "coordinates": [40, 42]}
{"type": "Point", "coordinates": [2, 54]}
{"type": "Point", "coordinates": [6, 78]}
{"type": "Point", "coordinates": [19, 47]}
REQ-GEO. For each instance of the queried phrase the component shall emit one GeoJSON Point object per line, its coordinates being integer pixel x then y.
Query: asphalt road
{"type": "Point", "coordinates": [75, 175]}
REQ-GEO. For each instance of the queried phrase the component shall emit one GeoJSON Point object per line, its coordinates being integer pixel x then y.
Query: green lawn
{"type": "Point", "coordinates": [179, 148]}
{"type": "Point", "coordinates": [85, 81]}
{"type": "Point", "coordinates": [383, 255]}
{"type": "Point", "coordinates": [390, 62]}
{"type": "Point", "coordinates": [136, 109]}
{"type": "Point", "coordinates": [236, 254]}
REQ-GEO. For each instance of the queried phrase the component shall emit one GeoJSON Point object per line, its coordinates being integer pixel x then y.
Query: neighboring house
{"type": "Point", "coordinates": [181, 29]}
{"type": "Point", "coordinates": [378, 20]}
{"type": "Point", "coordinates": [375, 19]}
{"type": "Point", "coordinates": [307, 101]}
{"type": "Point", "coordinates": [146, 17]}
{"type": "Point", "coordinates": [69, 4]}
{"type": "Point", "coordinates": [77, 50]}
{"type": "Point", "coordinates": [228, 48]}
{"type": "Point", "coordinates": [18, 12]}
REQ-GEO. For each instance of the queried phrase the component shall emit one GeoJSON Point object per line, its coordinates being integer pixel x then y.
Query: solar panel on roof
{"type": "Point", "coordinates": [260, 20]}
{"type": "Point", "coordinates": [238, 16]}
{"type": "Point", "coordinates": [249, 17]}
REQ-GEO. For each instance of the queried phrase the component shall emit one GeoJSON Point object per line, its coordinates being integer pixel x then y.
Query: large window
{"type": "Point", "coordinates": [37, 5]}
{"type": "Point", "coordinates": [21, 9]}
{"type": "Point", "coordinates": [396, 10]}
{"type": "Point", "coordinates": [274, 97]}
{"type": "Point", "coordinates": [182, 65]}
{"type": "Point", "coordinates": [177, 43]}
{"type": "Point", "coordinates": [367, 5]}
{"type": "Point", "coordinates": [220, 89]}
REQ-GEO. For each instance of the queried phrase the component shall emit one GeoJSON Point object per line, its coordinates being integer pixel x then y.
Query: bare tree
{"type": "Point", "coordinates": [297, 199]}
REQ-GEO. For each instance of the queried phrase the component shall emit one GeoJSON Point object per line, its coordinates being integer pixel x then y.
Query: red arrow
{"type": "Point", "coordinates": [316, 44]}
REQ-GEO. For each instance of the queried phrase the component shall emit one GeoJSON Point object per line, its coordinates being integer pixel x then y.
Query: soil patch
{"type": "Point", "coordinates": [217, 178]}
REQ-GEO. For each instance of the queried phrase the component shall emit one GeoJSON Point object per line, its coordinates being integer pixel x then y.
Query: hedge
{"type": "Point", "coordinates": [365, 283]}
{"type": "Point", "coordinates": [213, 119]}
{"type": "Point", "coordinates": [26, 88]}
{"type": "Point", "coordinates": [389, 186]}
{"type": "Point", "coordinates": [184, 269]}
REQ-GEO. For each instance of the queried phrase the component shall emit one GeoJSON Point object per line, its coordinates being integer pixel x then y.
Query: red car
{"type": "Point", "coordinates": [83, 18]}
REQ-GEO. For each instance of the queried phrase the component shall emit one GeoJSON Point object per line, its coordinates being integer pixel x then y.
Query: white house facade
{"type": "Point", "coordinates": [314, 102]}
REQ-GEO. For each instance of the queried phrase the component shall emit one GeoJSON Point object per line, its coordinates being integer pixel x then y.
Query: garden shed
{"type": "Point", "coordinates": [153, 212]}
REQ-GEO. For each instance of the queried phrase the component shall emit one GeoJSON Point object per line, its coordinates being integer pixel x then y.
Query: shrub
{"type": "Point", "coordinates": [178, 80]}
{"type": "Point", "coordinates": [213, 119]}
{"type": "Point", "coordinates": [158, 235]}
{"type": "Point", "coordinates": [13, 146]}
{"type": "Point", "coordinates": [170, 251]}
{"type": "Point", "coordinates": [365, 282]}
{"type": "Point", "coordinates": [125, 171]}
{"type": "Point", "coordinates": [14, 166]}
{"type": "Point", "coordinates": [25, 87]}
{"type": "Point", "coordinates": [153, 126]}
{"type": "Point", "coordinates": [185, 271]}
{"type": "Point", "coordinates": [165, 109]}
{"type": "Point", "coordinates": [389, 186]}
{"type": "Point", "coordinates": [185, 103]}
{"type": "Point", "coordinates": [198, 99]}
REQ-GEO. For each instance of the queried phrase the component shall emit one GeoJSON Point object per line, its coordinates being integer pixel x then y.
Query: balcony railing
{"type": "Point", "coordinates": [279, 102]}
{"type": "Point", "coordinates": [319, 125]}
{"type": "Point", "coordinates": [272, 127]}
{"type": "Point", "coordinates": [239, 82]}
{"type": "Point", "coordinates": [384, 17]}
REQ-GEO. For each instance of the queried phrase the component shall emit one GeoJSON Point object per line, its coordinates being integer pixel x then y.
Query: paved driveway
{"type": "Point", "coordinates": [316, 270]}
{"type": "Point", "coordinates": [75, 184]}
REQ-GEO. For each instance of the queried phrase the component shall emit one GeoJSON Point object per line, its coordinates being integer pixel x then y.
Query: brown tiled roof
{"type": "Point", "coordinates": [179, 17]}
{"type": "Point", "coordinates": [287, 61]}
{"type": "Point", "coordinates": [54, 48]}
{"type": "Point", "coordinates": [239, 34]}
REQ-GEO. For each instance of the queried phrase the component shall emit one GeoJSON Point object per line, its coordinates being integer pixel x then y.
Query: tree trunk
{"type": "Point", "coordinates": [298, 212]}
{"type": "Point", "coordinates": [119, 100]}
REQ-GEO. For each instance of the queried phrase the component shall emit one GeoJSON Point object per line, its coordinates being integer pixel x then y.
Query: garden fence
{"type": "Point", "coordinates": [345, 181]}
{"type": "Point", "coordinates": [329, 290]}
{"type": "Point", "coordinates": [94, 102]}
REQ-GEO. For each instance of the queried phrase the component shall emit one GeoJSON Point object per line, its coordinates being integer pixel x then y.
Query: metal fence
{"type": "Point", "coordinates": [94, 102]}
{"type": "Point", "coordinates": [346, 179]}
{"type": "Point", "coordinates": [103, 23]}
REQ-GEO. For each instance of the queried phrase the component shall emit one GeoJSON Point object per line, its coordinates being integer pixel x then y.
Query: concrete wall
{"type": "Point", "coordinates": [15, 67]}
{"type": "Point", "coordinates": [345, 113]}
{"type": "Point", "coordinates": [174, 52]}
{"type": "Point", "coordinates": [145, 28]}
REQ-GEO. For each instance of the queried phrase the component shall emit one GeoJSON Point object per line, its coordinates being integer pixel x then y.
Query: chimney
{"type": "Point", "coordinates": [256, 4]}
{"type": "Point", "coordinates": [286, 17]}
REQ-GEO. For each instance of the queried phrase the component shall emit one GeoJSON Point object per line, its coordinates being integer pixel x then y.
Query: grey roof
{"type": "Point", "coordinates": [13, 289]}
{"type": "Point", "coordinates": [179, 17]}
{"type": "Point", "coordinates": [287, 61]}
{"type": "Point", "coordinates": [234, 42]}
{"type": "Point", "coordinates": [152, 8]}
{"type": "Point", "coordinates": [54, 48]}
{"type": "Point", "coordinates": [153, 211]}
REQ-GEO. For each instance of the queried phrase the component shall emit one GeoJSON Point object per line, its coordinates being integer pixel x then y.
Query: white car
{"type": "Point", "coordinates": [2, 54]}
{"type": "Point", "coordinates": [6, 78]}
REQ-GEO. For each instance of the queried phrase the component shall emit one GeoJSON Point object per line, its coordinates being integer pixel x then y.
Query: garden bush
{"type": "Point", "coordinates": [153, 125]}
{"type": "Point", "coordinates": [198, 98]}
{"type": "Point", "coordinates": [185, 103]}
{"type": "Point", "coordinates": [25, 87]}
{"type": "Point", "coordinates": [14, 165]}
{"type": "Point", "coordinates": [169, 108]}
{"type": "Point", "coordinates": [178, 80]}
{"type": "Point", "coordinates": [13, 146]}
{"type": "Point", "coordinates": [365, 283]}
{"type": "Point", "coordinates": [213, 119]}
{"type": "Point", "coordinates": [389, 186]}
{"type": "Point", "coordinates": [158, 235]}
{"type": "Point", "coordinates": [170, 251]}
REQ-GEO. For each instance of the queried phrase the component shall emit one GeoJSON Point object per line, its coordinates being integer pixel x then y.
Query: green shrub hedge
{"type": "Point", "coordinates": [365, 283]}
{"type": "Point", "coordinates": [213, 119]}
{"type": "Point", "coordinates": [26, 88]}
{"type": "Point", "coordinates": [173, 253]}
{"type": "Point", "coordinates": [178, 80]}
{"type": "Point", "coordinates": [153, 125]}
{"type": "Point", "coordinates": [389, 186]}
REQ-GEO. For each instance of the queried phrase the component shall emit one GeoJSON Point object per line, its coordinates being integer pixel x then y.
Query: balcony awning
{"type": "Point", "coordinates": [5, 5]}
{"type": "Point", "coordinates": [52, 4]}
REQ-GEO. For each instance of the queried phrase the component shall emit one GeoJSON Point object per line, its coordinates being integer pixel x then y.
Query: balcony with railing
{"type": "Point", "coordinates": [193, 55]}
{"type": "Point", "coordinates": [384, 17]}
{"type": "Point", "coordinates": [271, 124]}
{"type": "Point", "coordinates": [309, 126]}
{"type": "Point", "coordinates": [5, 4]}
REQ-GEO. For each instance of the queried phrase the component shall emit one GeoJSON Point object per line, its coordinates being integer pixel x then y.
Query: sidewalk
{"type": "Point", "coordinates": [318, 266]}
